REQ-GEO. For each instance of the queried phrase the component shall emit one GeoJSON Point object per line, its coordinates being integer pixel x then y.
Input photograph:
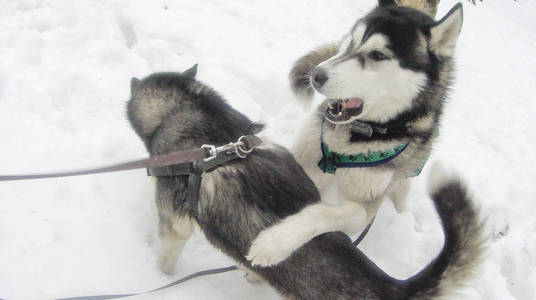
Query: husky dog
{"type": "Point", "coordinates": [385, 86]}
{"type": "Point", "coordinates": [173, 112]}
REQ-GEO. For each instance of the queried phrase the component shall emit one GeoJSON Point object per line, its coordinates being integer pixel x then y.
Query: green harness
{"type": "Point", "coordinates": [330, 160]}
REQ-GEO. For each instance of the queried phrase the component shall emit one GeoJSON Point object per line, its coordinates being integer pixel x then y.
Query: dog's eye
{"type": "Point", "coordinates": [377, 56]}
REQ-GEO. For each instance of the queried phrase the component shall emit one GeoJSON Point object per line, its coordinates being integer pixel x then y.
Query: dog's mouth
{"type": "Point", "coordinates": [342, 110]}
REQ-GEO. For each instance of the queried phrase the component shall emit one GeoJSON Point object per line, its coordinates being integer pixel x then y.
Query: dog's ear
{"type": "Point", "coordinates": [134, 83]}
{"type": "Point", "coordinates": [256, 128]}
{"type": "Point", "coordinates": [444, 33]}
{"type": "Point", "coordinates": [384, 3]}
{"type": "Point", "coordinates": [192, 72]}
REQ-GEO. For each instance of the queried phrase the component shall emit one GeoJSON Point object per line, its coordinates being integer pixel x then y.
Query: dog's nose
{"type": "Point", "coordinates": [319, 77]}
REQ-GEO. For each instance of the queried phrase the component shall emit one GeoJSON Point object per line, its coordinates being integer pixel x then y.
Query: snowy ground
{"type": "Point", "coordinates": [64, 80]}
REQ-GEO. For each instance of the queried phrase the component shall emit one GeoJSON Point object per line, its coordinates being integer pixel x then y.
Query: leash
{"type": "Point", "coordinates": [186, 278]}
{"type": "Point", "coordinates": [189, 277]}
{"type": "Point", "coordinates": [363, 233]}
{"type": "Point", "coordinates": [156, 163]}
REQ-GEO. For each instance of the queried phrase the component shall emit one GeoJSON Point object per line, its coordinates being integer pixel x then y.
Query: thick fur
{"type": "Point", "coordinates": [403, 95]}
{"type": "Point", "coordinates": [238, 200]}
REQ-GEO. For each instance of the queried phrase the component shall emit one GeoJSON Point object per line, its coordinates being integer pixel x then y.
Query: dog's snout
{"type": "Point", "coordinates": [319, 77]}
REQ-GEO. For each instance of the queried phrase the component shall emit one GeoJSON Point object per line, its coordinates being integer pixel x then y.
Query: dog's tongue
{"type": "Point", "coordinates": [339, 111]}
{"type": "Point", "coordinates": [352, 103]}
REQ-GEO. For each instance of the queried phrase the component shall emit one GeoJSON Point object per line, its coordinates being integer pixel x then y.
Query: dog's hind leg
{"type": "Point", "coordinates": [250, 275]}
{"type": "Point", "coordinates": [399, 194]}
{"type": "Point", "coordinates": [276, 243]}
{"type": "Point", "coordinates": [173, 231]}
{"type": "Point", "coordinates": [175, 223]}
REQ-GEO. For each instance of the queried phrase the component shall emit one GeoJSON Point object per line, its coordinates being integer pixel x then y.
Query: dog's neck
{"type": "Point", "coordinates": [365, 131]}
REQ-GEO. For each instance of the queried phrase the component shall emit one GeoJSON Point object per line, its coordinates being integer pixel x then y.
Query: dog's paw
{"type": "Point", "coordinates": [274, 245]}
{"type": "Point", "coordinates": [253, 277]}
{"type": "Point", "coordinates": [264, 254]}
{"type": "Point", "coordinates": [250, 275]}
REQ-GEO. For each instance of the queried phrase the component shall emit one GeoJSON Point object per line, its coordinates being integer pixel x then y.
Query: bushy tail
{"type": "Point", "coordinates": [464, 240]}
{"type": "Point", "coordinates": [300, 74]}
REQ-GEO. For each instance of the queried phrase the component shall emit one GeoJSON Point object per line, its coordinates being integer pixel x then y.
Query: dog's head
{"type": "Point", "coordinates": [175, 108]}
{"type": "Point", "coordinates": [386, 60]}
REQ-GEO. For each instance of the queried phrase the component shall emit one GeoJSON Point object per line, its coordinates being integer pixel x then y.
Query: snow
{"type": "Point", "coordinates": [64, 80]}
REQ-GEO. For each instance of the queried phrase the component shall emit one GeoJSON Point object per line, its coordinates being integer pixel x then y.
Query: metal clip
{"type": "Point", "coordinates": [212, 151]}
{"type": "Point", "coordinates": [239, 148]}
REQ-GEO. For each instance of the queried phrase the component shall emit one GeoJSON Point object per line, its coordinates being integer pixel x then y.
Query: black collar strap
{"type": "Point", "coordinates": [368, 129]}
{"type": "Point", "coordinates": [218, 156]}
{"type": "Point", "coordinates": [364, 131]}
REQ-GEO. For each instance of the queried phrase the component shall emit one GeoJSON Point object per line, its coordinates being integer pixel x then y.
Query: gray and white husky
{"type": "Point", "coordinates": [385, 84]}
{"type": "Point", "coordinates": [173, 112]}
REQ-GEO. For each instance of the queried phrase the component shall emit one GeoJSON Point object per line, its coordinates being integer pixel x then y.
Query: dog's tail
{"type": "Point", "coordinates": [300, 74]}
{"type": "Point", "coordinates": [464, 240]}
{"type": "Point", "coordinates": [427, 6]}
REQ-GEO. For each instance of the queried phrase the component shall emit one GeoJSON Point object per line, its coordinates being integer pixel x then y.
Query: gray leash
{"type": "Point", "coordinates": [363, 233]}
{"type": "Point", "coordinates": [191, 276]}
{"type": "Point", "coordinates": [186, 278]}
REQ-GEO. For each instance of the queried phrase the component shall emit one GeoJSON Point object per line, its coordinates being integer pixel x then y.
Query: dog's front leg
{"type": "Point", "coordinates": [276, 243]}
{"type": "Point", "coordinates": [306, 150]}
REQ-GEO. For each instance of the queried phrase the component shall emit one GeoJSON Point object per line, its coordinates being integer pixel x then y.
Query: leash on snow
{"type": "Point", "coordinates": [195, 163]}
{"type": "Point", "coordinates": [363, 233]}
{"type": "Point", "coordinates": [186, 278]}
{"type": "Point", "coordinates": [189, 277]}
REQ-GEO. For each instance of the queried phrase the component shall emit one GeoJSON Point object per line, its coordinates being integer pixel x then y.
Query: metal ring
{"type": "Point", "coordinates": [240, 143]}
{"type": "Point", "coordinates": [239, 154]}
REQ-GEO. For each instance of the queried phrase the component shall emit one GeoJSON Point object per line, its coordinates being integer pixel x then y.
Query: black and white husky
{"type": "Point", "coordinates": [385, 84]}
{"type": "Point", "coordinates": [173, 112]}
